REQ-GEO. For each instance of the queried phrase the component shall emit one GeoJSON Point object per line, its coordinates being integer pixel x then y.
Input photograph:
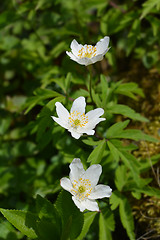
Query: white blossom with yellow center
{"type": "Point", "coordinates": [77, 122]}
{"type": "Point", "coordinates": [88, 54]}
{"type": "Point", "coordinates": [83, 185]}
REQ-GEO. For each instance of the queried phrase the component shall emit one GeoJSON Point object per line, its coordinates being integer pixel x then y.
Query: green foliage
{"type": "Point", "coordinates": [106, 225]}
{"type": "Point", "coordinates": [126, 111]}
{"type": "Point", "coordinates": [24, 221]}
{"type": "Point", "coordinates": [72, 219]}
{"type": "Point", "coordinates": [125, 212]}
{"type": "Point", "coordinates": [116, 131]}
{"type": "Point", "coordinates": [148, 6]}
{"type": "Point", "coordinates": [88, 219]}
{"type": "Point", "coordinates": [97, 154]}
{"type": "Point", "coordinates": [35, 151]}
{"type": "Point", "coordinates": [41, 94]}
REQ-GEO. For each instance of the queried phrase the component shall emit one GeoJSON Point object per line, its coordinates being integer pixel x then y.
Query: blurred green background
{"type": "Point", "coordinates": [34, 36]}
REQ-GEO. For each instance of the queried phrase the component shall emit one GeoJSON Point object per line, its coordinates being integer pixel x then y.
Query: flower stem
{"type": "Point", "coordinates": [90, 81]}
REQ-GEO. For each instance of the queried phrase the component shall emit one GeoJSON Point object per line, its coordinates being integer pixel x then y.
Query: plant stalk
{"type": "Point", "coordinates": [90, 82]}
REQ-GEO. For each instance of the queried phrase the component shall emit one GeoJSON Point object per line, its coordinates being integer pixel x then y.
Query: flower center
{"type": "Point", "coordinates": [88, 51]}
{"type": "Point", "coordinates": [81, 189]}
{"type": "Point", "coordinates": [77, 122]}
{"type": "Point", "coordinates": [77, 119]}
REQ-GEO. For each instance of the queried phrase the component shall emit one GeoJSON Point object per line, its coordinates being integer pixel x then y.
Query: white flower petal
{"type": "Point", "coordinates": [66, 184]}
{"type": "Point", "coordinates": [93, 173]}
{"type": "Point", "coordinates": [96, 113]}
{"type": "Point", "coordinates": [106, 51]}
{"type": "Point", "coordinates": [75, 47]}
{"type": "Point", "coordinates": [61, 122]}
{"type": "Point", "coordinates": [78, 204]}
{"type": "Point", "coordinates": [79, 105]}
{"type": "Point", "coordinates": [72, 56]}
{"type": "Point", "coordinates": [84, 61]}
{"type": "Point", "coordinates": [90, 205]}
{"type": "Point", "coordinates": [93, 118]}
{"type": "Point", "coordinates": [100, 191]}
{"type": "Point", "coordinates": [97, 58]}
{"type": "Point", "coordinates": [62, 112]}
{"type": "Point", "coordinates": [75, 134]}
{"type": "Point", "coordinates": [63, 115]}
{"type": "Point", "coordinates": [93, 123]}
{"type": "Point", "coordinates": [77, 169]}
{"type": "Point", "coordinates": [87, 131]}
{"type": "Point", "coordinates": [102, 46]}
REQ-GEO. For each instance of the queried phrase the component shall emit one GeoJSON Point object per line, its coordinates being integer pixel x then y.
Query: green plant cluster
{"type": "Point", "coordinates": [35, 152]}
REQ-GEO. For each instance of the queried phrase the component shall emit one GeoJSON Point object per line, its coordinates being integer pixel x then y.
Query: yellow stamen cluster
{"type": "Point", "coordinates": [81, 189]}
{"type": "Point", "coordinates": [88, 51]}
{"type": "Point", "coordinates": [77, 119]}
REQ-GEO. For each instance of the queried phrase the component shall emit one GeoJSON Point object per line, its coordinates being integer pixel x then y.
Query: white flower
{"type": "Point", "coordinates": [77, 122]}
{"type": "Point", "coordinates": [88, 54]}
{"type": "Point", "coordinates": [83, 185]}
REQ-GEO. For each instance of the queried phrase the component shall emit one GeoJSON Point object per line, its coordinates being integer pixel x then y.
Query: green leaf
{"type": "Point", "coordinates": [106, 224]}
{"type": "Point", "coordinates": [45, 209]}
{"type": "Point", "coordinates": [88, 219]}
{"type": "Point", "coordinates": [125, 211]}
{"type": "Point", "coordinates": [133, 35]}
{"type": "Point", "coordinates": [129, 89]}
{"type": "Point", "coordinates": [41, 94]}
{"type": "Point", "coordinates": [134, 134]}
{"type": "Point", "coordinates": [150, 191]}
{"type": "Point", "coordinates": [148, 6]}
{"type": "Point", "coordinates": [131, 162]}
{"type": "Point", "coordinates": [7, 230]}
{"type": "Point", "coordinates": [104, 87]}
{"type": "Point", "coordinates": [68, 81]}
{"type": "Point", "coordinates": [64, 82]}
{"type": "Point", "coordinates": [155, 23]}
{"type": "Point", "coordinates": [114, 151]}
{"type": "Point", "coordinates": [127, 217]}
{"type": "Point", "coordinates": [97, 154]}
{"type": "Point", "coordinates": [91, 142]}
{"type": "Point", "coordinates": [47, 229]}
{"type": "Point", "coordinates": [50, 106]}
{"type": "Point", "coordinates": [22, 220]}
{"type": "Point", "coordinates": [128, 159]}
{"type": "Point", "coordinates": [146, 163]}
{"type": "Point", "coordinates": [44, 131]}
{"type": "Point", "coordinates": [72, 218]}
{"type": "Point", "coordinates": [121, 177]}
{"type": "Point", "coordinates": [45, 124]}
{"type": "Point", "coordinates": [116, 128]}
{"type": "Point", "coordinates": [104, 234]}
{"type": "Point", "coordinates": [115, 199]}
{"type": "Point", "coordinates": [126, 111]}
{"type": "Point", "coordinates": [96, 99]}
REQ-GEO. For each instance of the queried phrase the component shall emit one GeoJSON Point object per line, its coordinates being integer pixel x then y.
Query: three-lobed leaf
{"type": "Point", "coordinates": [126, 111]}
{"type": "Point", "coordinates": [116, 129]}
